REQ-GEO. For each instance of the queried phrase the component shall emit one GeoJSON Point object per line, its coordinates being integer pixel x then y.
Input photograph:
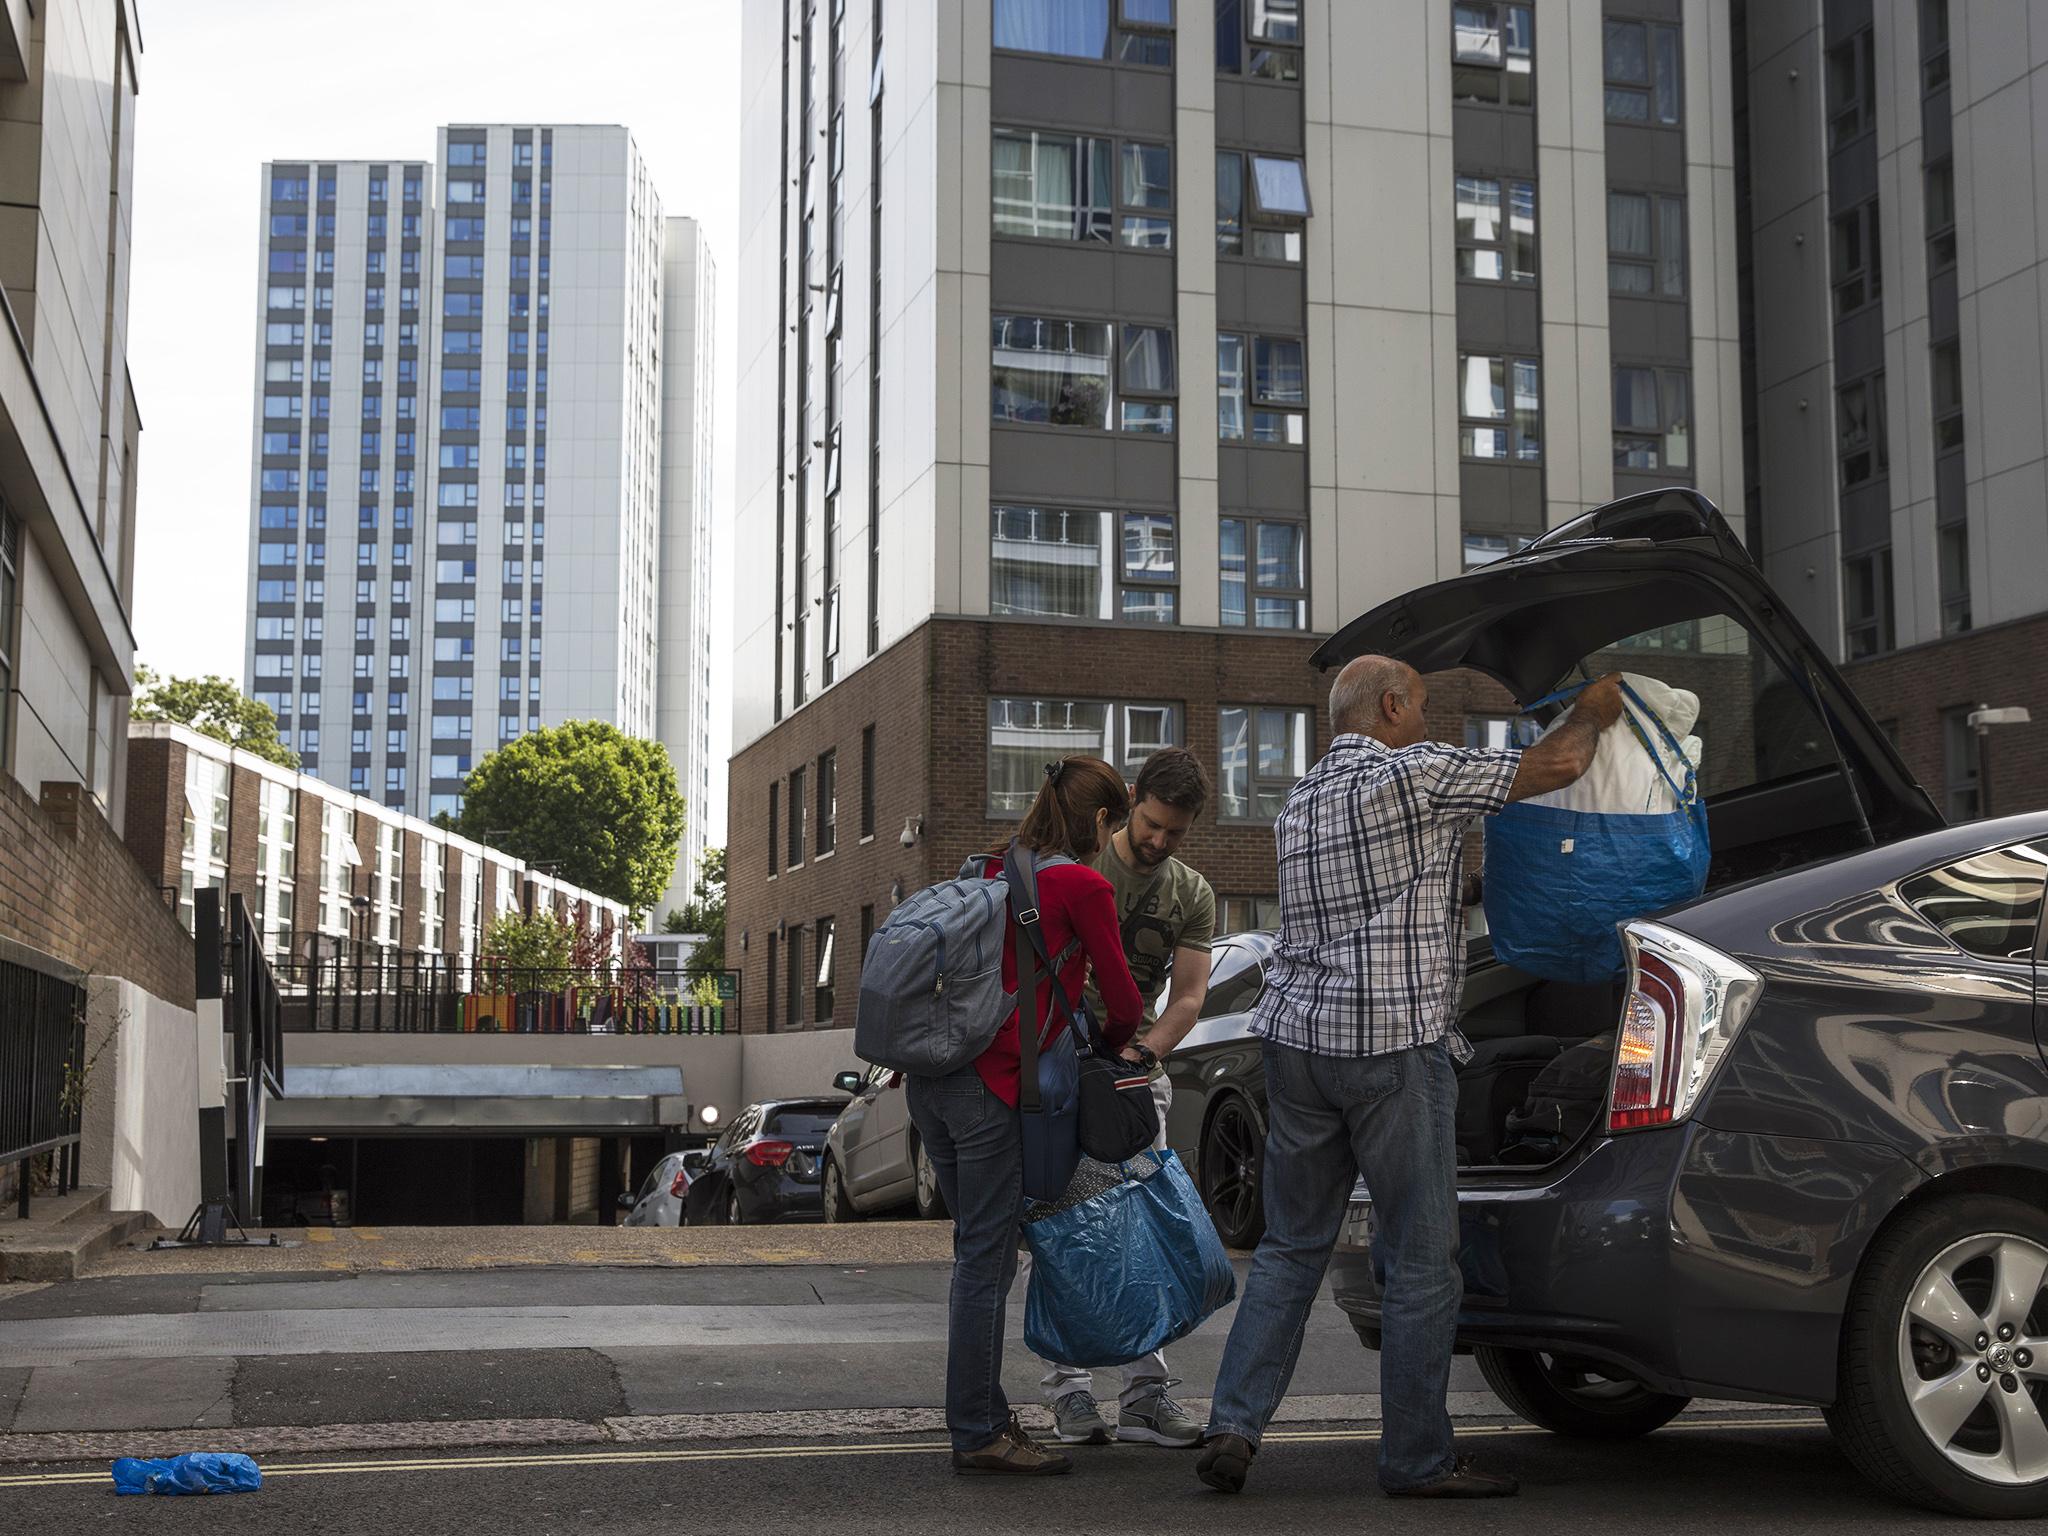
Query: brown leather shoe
{"type": "Point", "coordinates": [1463, 1481]}
{"type": "Point", "coordinates": [1225, 1462]}
{"type": "Point", "coordinates": [1013, 1454]}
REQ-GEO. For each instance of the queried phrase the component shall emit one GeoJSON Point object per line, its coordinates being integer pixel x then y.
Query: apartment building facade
{"type": "Point", "coordinates": [419, 321]}
{"type": "Point", "coordinates": [1289, 307]}
{"type": "Point", "coordinates": [1899, 238]}
{"type": "Point", "coordinates": [315, 863]}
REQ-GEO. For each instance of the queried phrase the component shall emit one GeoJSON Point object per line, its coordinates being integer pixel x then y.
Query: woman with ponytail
{"type": "Point", "coordinates": [968, 1124]}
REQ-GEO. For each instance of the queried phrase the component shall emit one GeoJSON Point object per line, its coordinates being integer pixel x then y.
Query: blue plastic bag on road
{"type": "Point", "coordinates": [1126, 1271]}
{"type": "Point", "coordinates": [194, 1472]}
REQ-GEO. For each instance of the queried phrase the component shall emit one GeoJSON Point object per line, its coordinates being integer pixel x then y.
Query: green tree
{"type": "Point", "coordinates": [601, 806]}
{"type": "Point", "coordinates": [705, 913]}
{"type": "Point", "coordinates": [542, 942]}
{"type": "Point", "coordinates": [214, 707]}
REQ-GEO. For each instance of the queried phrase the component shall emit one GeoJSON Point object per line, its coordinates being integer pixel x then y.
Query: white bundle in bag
{"type": "Point", "coordinates": [1624, 779]}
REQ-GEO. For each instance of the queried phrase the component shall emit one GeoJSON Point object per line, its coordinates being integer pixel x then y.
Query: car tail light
{"type": "Point", "coordinates": [680, 1184]}
{"type": "Point", "coordinates": [1686, 1003]}
{"type": "Point", "coordinates": [770, 1154]}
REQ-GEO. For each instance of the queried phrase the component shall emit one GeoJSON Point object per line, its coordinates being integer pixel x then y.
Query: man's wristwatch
{"type": "Point", "coordinates": [1147, 1058]}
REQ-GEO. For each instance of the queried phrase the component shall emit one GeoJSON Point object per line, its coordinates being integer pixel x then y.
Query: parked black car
{"type": "Point", "coordinates": [1812, 1162]}
{"type": "Point", "coordinates": [765, 1167]}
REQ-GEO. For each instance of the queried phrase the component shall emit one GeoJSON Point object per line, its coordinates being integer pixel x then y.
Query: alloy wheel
{"type": "Point", "coordinates": [1973, 1356]}
{"type": "Point", "coordinates": [1231, 1163]}
{"type": "Point", "coordinates": [930, 1203]}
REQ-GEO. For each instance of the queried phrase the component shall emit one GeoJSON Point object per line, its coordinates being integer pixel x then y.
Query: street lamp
{"type": "Point", "coordinates": [1981, 720]}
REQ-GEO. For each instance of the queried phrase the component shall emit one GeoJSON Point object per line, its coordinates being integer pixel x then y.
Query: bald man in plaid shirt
{"type": "Point", "coordinates": [1359, 1030]}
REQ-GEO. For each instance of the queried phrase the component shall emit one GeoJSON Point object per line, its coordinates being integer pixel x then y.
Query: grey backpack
{"type": "Point", "coordinates": [931, 985]}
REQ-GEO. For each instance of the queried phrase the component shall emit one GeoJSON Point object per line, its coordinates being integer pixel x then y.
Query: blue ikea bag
{"type": "Point", "coordinates": [1126, 1271]}
{"type": "Point", "coordinates": [193, 1472]}
{"type": "Point", "coordinates": [1558, 881]}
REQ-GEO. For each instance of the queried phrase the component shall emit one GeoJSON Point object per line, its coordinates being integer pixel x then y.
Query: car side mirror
{"type": "Point", "coordinates": [847, 1082]}
{"type": "Point", "coordinates": [627, 1202]}
{"type": "Point", "coordinates": [693, 1162]}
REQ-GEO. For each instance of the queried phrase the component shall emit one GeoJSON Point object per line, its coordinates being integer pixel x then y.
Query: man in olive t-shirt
{"type": "Point", "coordinates": [1168, 915]}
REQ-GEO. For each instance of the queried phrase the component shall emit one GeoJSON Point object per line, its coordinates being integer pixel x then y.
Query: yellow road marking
{"type": "Point", "coordinates": [616, 1458]}
{"type": "Point", "coordinates": [334, 1264]}
{"type": "Point", "coordinates": [366, 1235]}
{"type": "Point", "coordinates": [319, 1234]}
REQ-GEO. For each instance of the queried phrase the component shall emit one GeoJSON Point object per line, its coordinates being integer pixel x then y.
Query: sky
{"type": "Point", "coordinates": [228, 84]}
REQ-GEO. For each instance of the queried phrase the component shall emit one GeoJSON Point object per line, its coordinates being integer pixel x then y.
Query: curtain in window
{"type": "Point", "coordinates": [1278, 372]}
{"type": "Point", "coordinates": [1522, 232]}
{"type": "Point", "coordinates": [1051, 371]}
{"type": "Point", "coordinates": [1047, 564]}
{"type": "Point", "coordinates": [1148, 176]}
{"type": "Point", "coordinates": [1148, 360]}
{"type": "Point", "coordinates": [1231, 563]}
{"type": "Point", "coordinates": [1528, 410]}
{"type": "Point", "coordinates": [1482, 390]}
{"type": "Point", "coordinates": [1026, 734]}
{"type": "Point", "coordinates": [1671, 247]}
{"type": "Point", "coordinates": [1077, 29]}
{"type": "Point", "coordinates": [1635, 399]}
{"type": "Point", "coordinates": [1475, 35]}
{"type": "Point", "coordinates": [1664, 45]}
{"type": "Point", "coordinates": [1677, 421]}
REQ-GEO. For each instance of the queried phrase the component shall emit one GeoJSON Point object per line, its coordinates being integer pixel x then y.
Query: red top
{"type": "Point", "coordinates": [1072, 899]}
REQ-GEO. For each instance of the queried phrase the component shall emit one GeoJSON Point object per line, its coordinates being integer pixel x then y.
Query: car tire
{"type": "Point", "coordinates": [838, 1204]}
{"type": "Point", "coordinates": [930, 1203]}
{"type": "Point", "coordinates": [734, 1215]}
{"type": "Point", "coordinates": [1947, 1262]}
{"type": "Point", "coordinates": [1233, 1167]}
{"type": "Point", "coordinates": [1574, 1397]}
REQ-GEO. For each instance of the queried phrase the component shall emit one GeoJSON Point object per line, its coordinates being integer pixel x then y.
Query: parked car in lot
{"type": "Point", "coordinates": [663, 1194]}
{"type": "Point", "coordinates": [1810, 1160]}
{"type": "Point", "coordinates": [873, 1162]}
{"type": "Point", "coordinates": [765, 1167]}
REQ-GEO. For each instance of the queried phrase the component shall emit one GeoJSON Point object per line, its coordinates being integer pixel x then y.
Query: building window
{"type": "Point", "coordinates": [1259, 38]}
{"type": "Point", "coordinates": [276, 863]}
{"type": "Point", "coordinates": [1052, 186]}
{"type": "Point", "coordinates": [1646, 244]}
{"type": "Point", "coordinates": [339, 858]}
{"type": "Point", "coordinates": [1933, 44]}
{"type": "Point", "coordinates": [1265, 407]}
{"type": "Point", "coordinates": [1860, 424]}
{"type": "Point", "coordinates": [773, 974]}
{"type": "Point", "coordinates": [205, 860]}
{"type": "Point", "coordinates": [1059, 563]}
{"type": "Point", "coordinates": [1491, 247]}
{"type": "Point", "coordinates": [1261, 204]}
{"type": "Point", "coordinates": [1941, 213]}
{"type": "Point", "coordinates": [1852, 88]}
{"type": "Point", "coordinates": [797, 808]}
{"type": "Point", "coordinates": [1959, 760]}
{"type": "Point", "coordinates": [1952, 548]}
{"type": "Point", "coordinates": [1857, 273]}
{"type": "Point", "coordinates": [1263, 751]}
{"type": "Point", "coordinates": [794, 958]}
{"type": "Point", "coordinates": [1081, 29]}
{"type": "Point", "coordinates": [774, 842]}
{"type": "Point", "coordinates": [1867, 603]}
{"type": "Point", "coordinates": [1485, 548]}
{"type": "Point", "coordinates": [1264, 572]}
{"type": "Point", "coordinates": [1493, 54]}
{"type": "Point", "coordinates": [1246, 914]}
{"type": "Point", "coordinates": [1056, 372]}
{"type": "Point", "coordinates": [1500, 408]}
{"type": "Point", "coordinates": [1644, 73]}
{"type": "Point", "coordinates": [1026, 734]}
{"type": "Point", "coordinates": [1947, 361]}
{"type": "Point", "coordinates": [1501, 731]}
{"type": "Point", "coordinates": [385, 884]}
{"type": "Point", "coordinates": [828, 802]}
{"type": "Point", "coordinates": [822, 996]}
{"type": "Point", "coordinates": [1652, 418]}
{"type": "Point", "coordinates": [433, 895]}
{"type": "Point", "coordinates": [867, 789]}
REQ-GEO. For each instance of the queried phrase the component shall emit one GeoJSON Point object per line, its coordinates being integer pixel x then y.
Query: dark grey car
{"type": "Point", "coordinates": [1809, 1162]}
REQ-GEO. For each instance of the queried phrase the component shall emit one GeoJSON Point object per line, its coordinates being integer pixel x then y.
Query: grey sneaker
{"type": "Point", "coordinates": [1077, 1420]}
{"type": "Point", "coordinates": [1157, 1419]}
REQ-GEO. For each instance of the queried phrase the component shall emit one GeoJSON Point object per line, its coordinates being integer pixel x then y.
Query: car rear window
{"type": "Point", "coordinates": [808, 1121]}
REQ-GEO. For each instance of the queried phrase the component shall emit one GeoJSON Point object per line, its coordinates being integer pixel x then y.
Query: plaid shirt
{"type": "Point", "coordinates": [1371, 956]}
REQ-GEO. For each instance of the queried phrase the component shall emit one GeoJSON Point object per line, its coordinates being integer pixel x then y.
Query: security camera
{"type": "Point", "coordinates": [912, 827]}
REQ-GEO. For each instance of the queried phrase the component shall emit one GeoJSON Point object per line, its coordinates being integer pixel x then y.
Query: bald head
{"type": "Point", "coordinates": [1380, 697]}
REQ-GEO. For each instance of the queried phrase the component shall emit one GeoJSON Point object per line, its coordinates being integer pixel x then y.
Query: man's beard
{"type": "Point", "coordinates": [1149, 860]}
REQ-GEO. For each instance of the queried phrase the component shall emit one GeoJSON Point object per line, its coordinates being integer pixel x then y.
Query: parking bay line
{"type": "Point", "coordinates": [620, 1458]}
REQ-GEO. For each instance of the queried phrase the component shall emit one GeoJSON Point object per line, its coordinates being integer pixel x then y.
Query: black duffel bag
{"type": "Point", "coordinates": [1119, 1117]}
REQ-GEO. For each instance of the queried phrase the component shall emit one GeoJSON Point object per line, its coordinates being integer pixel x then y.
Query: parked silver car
{"type": "Point", "coordinates": [663, 1195]}
{"type": "Point", "coordinates": [873, 1162]}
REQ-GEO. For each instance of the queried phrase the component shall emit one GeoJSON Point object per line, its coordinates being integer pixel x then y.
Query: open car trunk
{"type": "Point", "coordinates": [1792, 769]}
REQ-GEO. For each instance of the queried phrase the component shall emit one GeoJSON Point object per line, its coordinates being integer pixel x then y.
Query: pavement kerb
{"type": "Point", "coordinates": [649, 1429]}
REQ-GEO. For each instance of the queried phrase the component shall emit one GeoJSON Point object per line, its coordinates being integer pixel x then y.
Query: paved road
{"type": "Point", "coordinates": [1680, 1481]}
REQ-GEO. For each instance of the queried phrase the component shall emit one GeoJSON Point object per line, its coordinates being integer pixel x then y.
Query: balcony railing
{"type": "Point", "coordinates": [42, 1057]}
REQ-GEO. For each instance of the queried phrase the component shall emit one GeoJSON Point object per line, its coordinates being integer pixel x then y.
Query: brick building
{"type": "Point", "coordinates": [310, 859]}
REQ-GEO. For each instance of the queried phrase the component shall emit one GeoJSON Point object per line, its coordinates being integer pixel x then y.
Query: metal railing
{"type": "Point", "coordinates": [409, 992]}
{"type": "Point", "coordinates": [42, 1048]}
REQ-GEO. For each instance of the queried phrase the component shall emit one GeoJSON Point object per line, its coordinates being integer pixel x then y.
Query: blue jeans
{"type": "Point", "coordinates": [1331, 1118]}
{"type": "Point", "coordinates": [977, 1148]}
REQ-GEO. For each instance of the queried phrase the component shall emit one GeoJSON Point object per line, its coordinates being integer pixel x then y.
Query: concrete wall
{"type": "Point", "coordinates": [142, 1100]}
{"type": "Point", "coordinates": [779, 1066]}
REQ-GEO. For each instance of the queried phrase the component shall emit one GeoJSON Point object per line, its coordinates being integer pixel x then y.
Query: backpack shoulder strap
{"type": "Point", "coordinates": [1020, 872]}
